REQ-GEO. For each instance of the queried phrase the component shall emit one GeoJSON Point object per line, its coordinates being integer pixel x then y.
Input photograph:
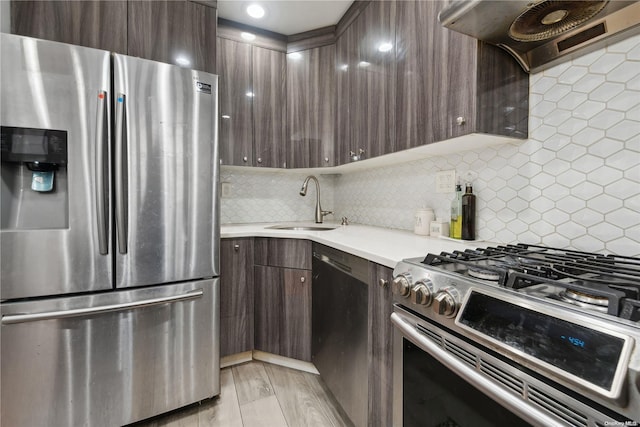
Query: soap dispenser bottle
{"type": "Point", "coordinates": [455, 230]}
{"type": "Point", "coordinates": [468, 213]}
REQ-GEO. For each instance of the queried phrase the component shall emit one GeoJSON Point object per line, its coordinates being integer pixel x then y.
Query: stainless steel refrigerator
{"type": "Point", "coordinates": [109, 236]}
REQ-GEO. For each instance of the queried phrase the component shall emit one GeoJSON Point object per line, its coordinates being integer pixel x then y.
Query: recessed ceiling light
{"type": "Point", "coordinates": [385, 47]}
{"type": "Point", "coordinates": [183, 61]}
{"type": "Point", "coordinates": [226, 116]}
{"type": "Point", "coordinates": [248, 36]}
{"type": "Point", "coordinates": [363, 64]}
{"type": "Point", "coordinates": [250, 94]}
{"type": "Point", "coordinates": [295, 55]}
{"type": "Point", "coordinates": [344, 67]}
{"type": "Point", "coordinates": [255, 11]}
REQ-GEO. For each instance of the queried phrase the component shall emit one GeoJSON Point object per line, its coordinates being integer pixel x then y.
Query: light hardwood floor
{"type": "Point", "coordinates": [257, 394]}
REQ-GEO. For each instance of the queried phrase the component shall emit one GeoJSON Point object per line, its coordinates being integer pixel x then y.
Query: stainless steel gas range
{"type": "Point", "coordinates": [517, 335]}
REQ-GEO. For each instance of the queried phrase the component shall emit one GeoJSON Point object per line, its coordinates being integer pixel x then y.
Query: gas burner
{"type": "Point", "coordinates": [604, 283]}
{"type": "Point", "coordinates": [483, 274]}
{"type": "Point", "coordinates": [581, 299]}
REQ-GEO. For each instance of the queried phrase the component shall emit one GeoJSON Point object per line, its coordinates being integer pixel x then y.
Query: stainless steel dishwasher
{"type": "Point", "coordinates": [339, 327]}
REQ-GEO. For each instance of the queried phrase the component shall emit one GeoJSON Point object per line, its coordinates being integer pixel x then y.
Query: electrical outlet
{"type": "Point", "coordinates": [446, 181]}
{"type": "Point", "coordinates": [225, 189]}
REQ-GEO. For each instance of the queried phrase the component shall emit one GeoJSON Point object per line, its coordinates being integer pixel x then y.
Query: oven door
{"type": "Point", "coordinates": [432, 388]}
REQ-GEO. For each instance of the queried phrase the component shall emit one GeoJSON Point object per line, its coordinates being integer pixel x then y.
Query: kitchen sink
{"type": "Point", "coordinates": [303, 227]}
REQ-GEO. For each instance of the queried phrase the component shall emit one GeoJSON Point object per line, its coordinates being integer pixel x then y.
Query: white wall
{"type": "Point", "coordinates": [575, 183]}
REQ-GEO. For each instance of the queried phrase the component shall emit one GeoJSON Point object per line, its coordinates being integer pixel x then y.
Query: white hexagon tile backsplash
{"type": "Point", "coordinates": [575, 183]}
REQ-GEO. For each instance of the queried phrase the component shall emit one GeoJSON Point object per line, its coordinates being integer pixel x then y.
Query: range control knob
{"type": "Point", "coordinates": [402, 285]}
{"type": "Point", "coordinates": [422, 292]}
{"type": "Point", "coordinates": [445, 303]}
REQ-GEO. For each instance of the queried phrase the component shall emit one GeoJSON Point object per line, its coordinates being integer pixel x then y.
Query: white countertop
{"type": "Point", "coordinates": [380, 245]}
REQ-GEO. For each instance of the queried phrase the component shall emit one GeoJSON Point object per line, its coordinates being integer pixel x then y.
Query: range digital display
{"type": "Point", "coordinates": [586, 353]}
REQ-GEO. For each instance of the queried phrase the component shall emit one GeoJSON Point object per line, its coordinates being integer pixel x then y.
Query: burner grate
{"type": "Point", "coordinates": [611, 277]}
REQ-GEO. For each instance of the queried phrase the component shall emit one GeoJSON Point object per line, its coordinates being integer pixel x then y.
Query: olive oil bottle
{"type": "Point", "coordinates": [468, 214]}
{"type": "Point", "coordinates": [455, 230]}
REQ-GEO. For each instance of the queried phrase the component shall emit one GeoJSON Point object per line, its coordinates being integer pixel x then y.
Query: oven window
{"type": "Point", "coordinates": [433, 396]}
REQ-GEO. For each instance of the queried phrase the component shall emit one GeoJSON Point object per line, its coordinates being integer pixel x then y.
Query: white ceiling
{"type": "Point", "coordinates": [286, 17]}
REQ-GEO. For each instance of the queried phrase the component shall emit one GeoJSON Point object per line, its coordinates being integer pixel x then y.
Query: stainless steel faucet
{"type": "Point", "coordinates": [303, 192]}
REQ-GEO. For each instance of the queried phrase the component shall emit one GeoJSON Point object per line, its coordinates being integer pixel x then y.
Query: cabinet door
{"type": "Point", "coordinates": [346, 55]}
{"type": "Point", "coordinates": [288, 253]}
{"type": "Point", "coordinates": [310, 107]}
{"type": "Point", "coordinates": [296, 323]}
{"type": "Point", "coordinates": [373, 93]}
{"type": "Point", "coordinates": [177, 32]}
{"type": "Point", "coordinates": [322, 107]}
{"type": "Point", "coordinates": [381, 345]}
{"type": "Point", "coordinates": [236, 296]}
{"type": "Point", "coordinates": [235, 121]}
{"type": "Point", "coordinates": [436, 77]}
{"type": "Point", "coordinates": [298, 108]}
{"type": "Point", "coordinates": [96, 24]}
{"type": "Point", "coordinates": [269, 73]}
{"type": "Point", "coordinates": [283, 311]}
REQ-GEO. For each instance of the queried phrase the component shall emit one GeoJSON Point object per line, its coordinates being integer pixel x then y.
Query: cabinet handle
{"type": "Point", "coordinates": [302, 279]}
{"type": "Point", "coordinates": [460, 121]}
{"type": "Point", "coordinates": [383, 283]}
{"type": "Point", "coordinates": [245, 159]}
{"type": "Point", "coordinates": [236, 248]}
{"type": "Point", "coordinates": [259, 159]}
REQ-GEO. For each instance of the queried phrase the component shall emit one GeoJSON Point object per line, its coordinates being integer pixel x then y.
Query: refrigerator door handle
{"type": "Point", "coordinates": [102, 204]}
{"type": "Point", "coordinates": [121, 173]}
{"type": "Point", "coordinates": [90, 311]}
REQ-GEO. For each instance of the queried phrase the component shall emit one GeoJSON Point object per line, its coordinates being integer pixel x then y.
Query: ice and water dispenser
{"type": "Point", "coordinates": [34, 179]}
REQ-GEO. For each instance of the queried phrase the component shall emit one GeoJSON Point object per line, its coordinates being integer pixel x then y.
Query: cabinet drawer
{"type": "Point", "coordinates": [287, 253]}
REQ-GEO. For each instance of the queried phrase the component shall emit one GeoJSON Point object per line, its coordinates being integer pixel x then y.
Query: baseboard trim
{"type": "Point", "coordinates": [236, 359]}
{"type": "Point", "coordinates": [287, 362]}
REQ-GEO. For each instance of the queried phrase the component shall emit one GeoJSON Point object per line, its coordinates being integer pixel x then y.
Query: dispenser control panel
{"type": "Point", "coordinates": [34, 146]}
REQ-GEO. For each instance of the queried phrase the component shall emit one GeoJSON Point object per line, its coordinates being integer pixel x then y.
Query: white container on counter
{"type": "Point", "coordinates": [422, 220]}
{"type": "Point", "coordinates": [438, 228]}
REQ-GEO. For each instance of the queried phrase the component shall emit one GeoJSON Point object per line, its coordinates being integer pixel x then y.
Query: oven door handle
{"type": "Point", "coordinates": [510, 401]}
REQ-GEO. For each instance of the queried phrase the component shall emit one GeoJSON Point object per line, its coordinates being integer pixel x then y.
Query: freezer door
{"type": "Point", "coordinates": [54, 242]}
{"type": "Point", "coordinates": [109, 359]}
{"type": "Point", "coordinates": [166, 173]}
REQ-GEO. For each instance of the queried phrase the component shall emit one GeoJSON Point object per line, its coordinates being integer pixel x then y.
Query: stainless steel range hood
{"type": "Point", "coordinates": [541, 34]}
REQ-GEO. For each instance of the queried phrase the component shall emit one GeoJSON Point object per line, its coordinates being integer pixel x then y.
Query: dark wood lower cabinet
{"type": "Point", "coordinates": [283, 311]}
{"type": "Point", "coordinates": [236, 296]}
{"type": "Point", "coordinates": [380, 353]}
{"type": "Point", "coordinates": [265, 305]}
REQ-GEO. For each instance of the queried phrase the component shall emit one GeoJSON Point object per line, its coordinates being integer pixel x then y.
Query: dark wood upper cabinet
{"type": "Point", "coordinates": [269, 73]}
{"type": "Point", "coordinates": [234, 106]}
{"type": "Point", "coordinates": [311, 107]}
{"type": "Point", "coordinates": [346, 51]}
{"type": "Point", "coordinates": [177, 32]}
{"type": "Point", "coordinates": [373, 128]}
{"type": "Point", "coordinates": [365, 84]}
{"type": "Point", "coordinates": [449, 84]}
{"type": "Point", "coordinates": [96, 24]}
